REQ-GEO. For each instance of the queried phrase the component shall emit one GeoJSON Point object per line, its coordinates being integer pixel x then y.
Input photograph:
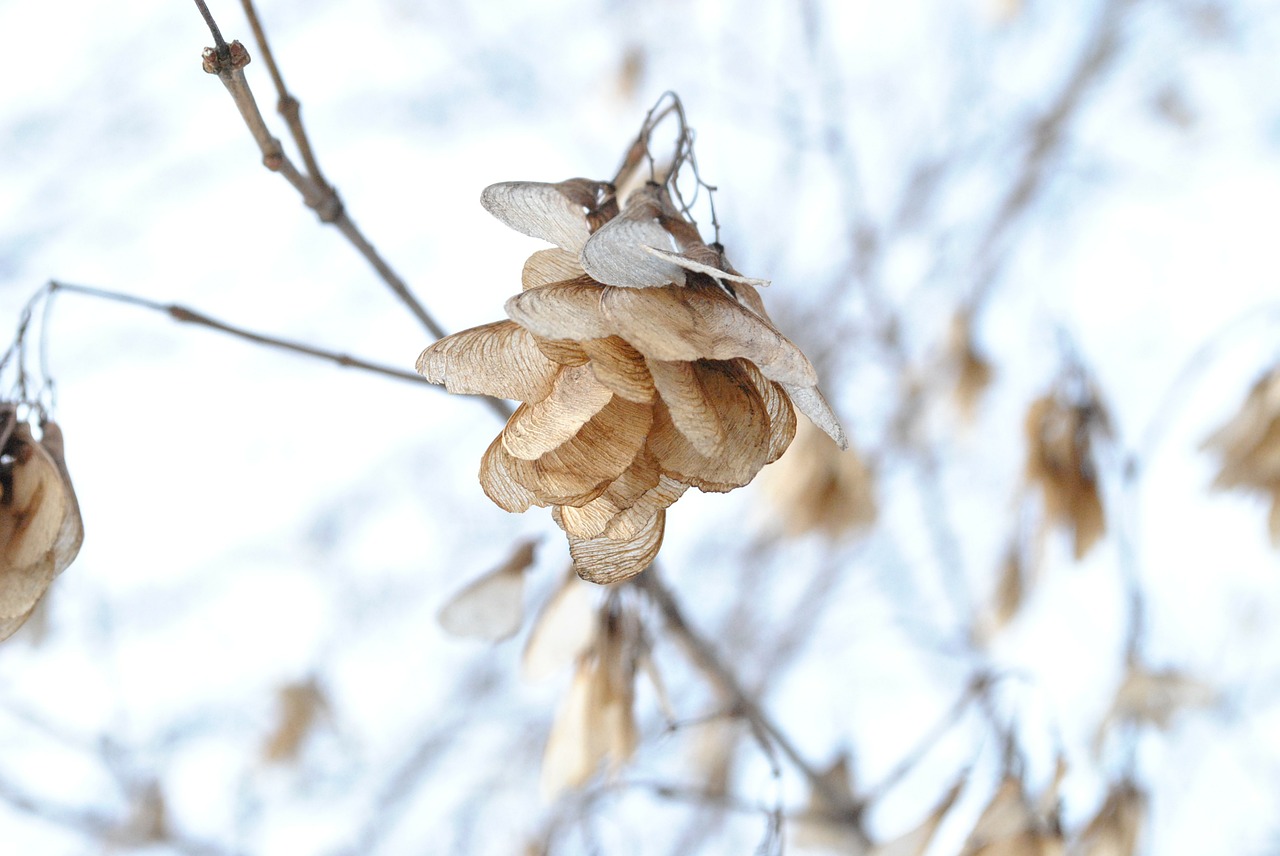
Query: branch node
{"type": "Point", "coordinates": [330, 207]}
{"type": "Point", "coordinates": [215, 61]}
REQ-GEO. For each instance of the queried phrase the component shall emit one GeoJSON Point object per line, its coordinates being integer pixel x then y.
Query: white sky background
{"type": "Point", "coordinates": [254, 518]}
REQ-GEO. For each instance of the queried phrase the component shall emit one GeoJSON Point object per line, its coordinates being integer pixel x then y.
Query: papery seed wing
{"type": "Point", "coordinates": [31, 519]}
{"type": "Point", "coordinates": [576, 745]}
{"type": "Point", "coordinates": [1006, 816]}
{"type": "Point", "coordinates": [540, 211]}
{"type": "Point", "coordinates": [618, 253]}
{"type": "Point", "coordinates": [36, 529]}
{"type": "Point", "coordinates": [605, 561]}
{"type": "Point", "coordinates": [491, 607]}
{"type": "Point", "coordinates": [1114, 830]}
{"type": "Point", "coordinates": [71, 533]}
{"type": "Point", "coordinates": [300, 705]}
{"type": "Point", "coordinates": [499, 359]}
{"type": "Point", "coordinates": [809, 401]}
{"type": "Point", "coordinates": [548, 266]}
{"type": "Point", "coordinates": [499, 482]}
{"type": "Point", "coordinates": [562, 310]}
{"type": "Point", "coordinates": [692, 408]}
{"type": "Point", "coordinates": [629, 523]}
{"type": "Point", "coordinates": [566, 352]}
{"type": "Point", "coordinates": [782, 416]}
{"type": "Point", "coordinates": [591, 519]}
{"type": "Point", "coordinates": [535, 429]}
{"type": "Point", "coordinates": [562, 631]}
{"type": "Point", "coordinates": [688, 263]}
{"type": "Point", "coordinates": [702, 322]}
{"type": "Point", "coordinates": [1247, 428]}
{"type": "Point", "coordinates": [620, 367]}
{"type": "Point", "coordinates": [735, 463]}
{"type": "Point", "coordinates": [583, 467]}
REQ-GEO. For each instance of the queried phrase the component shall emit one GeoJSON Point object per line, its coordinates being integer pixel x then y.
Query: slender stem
{"type": "Point", "coordinates": [220, 44]}
{"type": "Point", "coordinates": [979, 685]}
{"type": "Point", "coordinates": [319, 196]}
{"type": "Point", "coordinates": [395, 283]}
{"type": "Point", "coordinates": [1048, 135]}
{"type": "Point", "coordinates": [191, 316]}
{"type": "Point", "coordinates": [287, 106]}
{"type": "Point", "coordinates": [705, 656]}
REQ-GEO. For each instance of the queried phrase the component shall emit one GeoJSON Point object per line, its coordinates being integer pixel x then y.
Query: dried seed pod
{"type": "Point", "coordinates": [1250, 447]}
{"type": "Point", "coordinates": [1154, 697]}
{"type": "Point", "coordinates": [1060, 462]}
{"type": "Point", "coordinates": [300, 705]}
{"type": "Point", "coordinates": [644, 364]}
{"type": "Point", "coordinates": [563, 631]}
{"type": "Point", "coordinates": [596, 722]}
{"type": "Point", "coordinates": [1114, 830]}
{"type": "Point", "coordinates": [147, 823]}
{"type": "Point", "coordinates": [40, 526]}
{"type": "Point", "coordinates": [491, 607]}
{"type": "Point", "coordinates": [1011, 826]}
{"type": "Point", "coordinates": [972, 371]}
{"type": "Point", "coordinates": [818, 488]}
{"type": "Point", "coordinates": [827, 827]}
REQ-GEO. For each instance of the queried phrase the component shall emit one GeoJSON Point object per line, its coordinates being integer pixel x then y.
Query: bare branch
{"type": "Point", "coordinates": [1047, 138]}
{"type": "Point", "coordinates": [318, 195]}
{"type": "Point", "coordinates": [191, 316]}
{"type": "Point", "coordinates": [705, 656]}
{"type": "Point", "coordinates": [287, 106]}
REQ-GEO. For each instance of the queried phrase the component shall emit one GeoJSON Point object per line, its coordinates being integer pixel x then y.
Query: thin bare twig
{"type": "Point", "coordinates": [191, 316]}
{"type": "Point", "coordinates": [706, 657]}
{"type": "Point", "coordinates": [100, 828]}
{"type": "Point", "coordinates": [316, 193]}
{"type": "Point", "coordinates": [1048, 135]}
{"type": "Point", "coordinates": [287, 106]}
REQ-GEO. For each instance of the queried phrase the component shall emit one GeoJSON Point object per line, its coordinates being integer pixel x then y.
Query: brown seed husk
{"type": "Point", "coordinates": [499, 359]}
{"type": "Point", "coordinates": [596, 722]}
{"type": "Point", "coordinates": [1249, 445]}
{"type": "Point", "coordinates": [605, 560]}
{"type": "Point", "coordinates": [40, 526]}
{"type": "Point", "coordinates": [1060, 463]}
{"type": "Point", "coordinates": [1114, 830]}
{"type": "Point", "coordinates": [1154, 697]}
{"type": "Point", "coordinates": [818, 488]}
{"type": "Point", "coordinates": [300, 705]}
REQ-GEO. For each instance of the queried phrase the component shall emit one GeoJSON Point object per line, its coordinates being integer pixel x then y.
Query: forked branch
{"type": "Point", "coordinates": [227, 61]}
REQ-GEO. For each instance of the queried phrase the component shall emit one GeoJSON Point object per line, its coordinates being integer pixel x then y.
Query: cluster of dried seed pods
{"type": "Point", "coordinates": [644, 362]}
{"type": "Point", "coordinates": [40, 527]}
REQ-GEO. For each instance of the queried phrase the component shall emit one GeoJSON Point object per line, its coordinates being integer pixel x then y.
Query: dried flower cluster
{"type": "Point", "coordinates": [1250, 447]}
{"type": "Point", "coordinates": [40, 527]}
{"type": "Point", "coordinates": [1060, 462]}
{"type": "Point", "coordinates": [644, 362]}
